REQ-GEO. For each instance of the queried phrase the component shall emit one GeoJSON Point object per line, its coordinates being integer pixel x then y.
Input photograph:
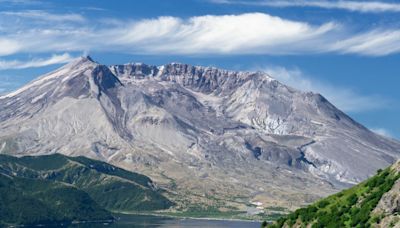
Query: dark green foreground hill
{"type": "Point", "coordinates": [56, 188]}
{"type": "Point", "coordinates": [373, 203]}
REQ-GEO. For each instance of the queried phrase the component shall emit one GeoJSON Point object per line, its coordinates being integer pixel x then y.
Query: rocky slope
{"type": "Point", "coordinates": [210, 136]}
{"type": "Point", "coordinates": [373, 203]}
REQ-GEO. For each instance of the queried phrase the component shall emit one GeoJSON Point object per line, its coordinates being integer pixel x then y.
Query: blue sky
{"type": "Point", "coordinates": [349, 51]}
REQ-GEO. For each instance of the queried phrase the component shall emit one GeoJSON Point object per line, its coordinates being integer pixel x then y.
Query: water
{"type": "Point", "coordinates": [145, 221]}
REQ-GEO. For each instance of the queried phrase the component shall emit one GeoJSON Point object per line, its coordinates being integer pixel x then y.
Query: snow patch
{"type": "Point", "coordinates": [34, 100]}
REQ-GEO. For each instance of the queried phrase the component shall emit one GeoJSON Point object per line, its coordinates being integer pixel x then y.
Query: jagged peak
{"type": "Point", "coordinates": [87, 58]}
{"type": "Point", "coordinates": [82, 60]}
{"type": "Point", "coordinates": [76, 67]}
{"type": "Point", "coordinates": [175, 66]}
{"type": "Point", "coordinates": [181, 72]}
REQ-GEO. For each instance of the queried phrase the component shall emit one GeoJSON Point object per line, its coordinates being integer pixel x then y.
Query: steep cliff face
{"type": "Point", "coordinates": [387, 211]}
{"type": "Point", "coordinates": [196, 130]}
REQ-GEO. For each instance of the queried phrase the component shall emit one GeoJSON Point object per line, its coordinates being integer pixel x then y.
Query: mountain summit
{"type": "Point", "coordinates": [198, 131]}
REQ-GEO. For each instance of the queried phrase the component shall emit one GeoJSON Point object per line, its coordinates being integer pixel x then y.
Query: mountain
{"type": "Point", "coordinates": [373, 203]}
{"type": "Point", "coordinates": [209, 136]}
{"type": "Point", "coordinates": [56, 188]}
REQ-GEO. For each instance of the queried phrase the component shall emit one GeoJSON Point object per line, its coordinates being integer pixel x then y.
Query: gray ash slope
{"type": "Point", "coordinates": [195, 130]}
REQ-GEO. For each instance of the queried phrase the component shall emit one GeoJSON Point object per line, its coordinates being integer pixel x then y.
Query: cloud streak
{"type": "Point", "coordinates": [383, 132]}
{"type": "Point", "coordinates": [357, 6]}
{"type": "Point", "coordinates": [44, 16]}
{"type": "Point", "coordinates": [38, 62]}
{"type": "Point", "coordinates": [373, 43]}
{"type": "Point", "coordinates": [20, 2]}
{"type": "Point", "coordinates": [344, 98]}
{"type": "Point", "coordinates": [249, 33]}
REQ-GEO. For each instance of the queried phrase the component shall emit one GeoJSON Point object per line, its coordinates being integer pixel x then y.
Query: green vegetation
{"type": "Point", "coordinates": [349, 208]}
{"type": "Point", "coordinates": [56, 188]}
{"type": "Point", "coordinates": [27, 201]}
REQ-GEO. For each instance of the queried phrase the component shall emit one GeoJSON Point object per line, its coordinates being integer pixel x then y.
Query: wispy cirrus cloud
{"type": "Point", "coordinates": [21, 2]}
{"type": "Point", "coordinates": [36, 62]}
{"type": "Point", "coordinates": [248, 33]}
{"type": "Point", "coordinates": [346, 99]}
{"type": "Point", "coordinates": [373, 43]}
{"type": "Point", "coordinates": [44, 15]}
{"type": "Point", "coordinates": [357, 6]}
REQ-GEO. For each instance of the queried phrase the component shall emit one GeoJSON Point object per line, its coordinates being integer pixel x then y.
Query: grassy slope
{"type": "Point", "coordinates": [349, 208]}
{"type": "Point", "coordinates": [27, 201]}
{"type": "Point", "coordinates": [71, 183]}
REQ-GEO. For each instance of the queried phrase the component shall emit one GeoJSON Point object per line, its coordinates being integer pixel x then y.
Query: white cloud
{"type": "Point", "coordinates": [373, 43]}
{"type": "Point", "coordinates": [38, 62]}
{"type": "Point", "coordinates": [8, 46]}
{"type": "Point", "coordinates": [45, 16]}
{"type": "Point", "coordinates": [346, 99]}
{"type": "Point", "coordinates": [383, 132]}
{"type": "Point", "coordinates": [233, 34]}
{"type": "Point", "coordinates": [249, 33]}
{"type": "Point", "coordinates": [360, 6]}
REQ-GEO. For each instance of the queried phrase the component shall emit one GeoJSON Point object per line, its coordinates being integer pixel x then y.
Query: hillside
{"type": "Point", "coordinates": [372, 203]}
{"type": "Point", "coordinates": [57, 188]}
{"type": "Point", "coordinates": [31, 201]}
